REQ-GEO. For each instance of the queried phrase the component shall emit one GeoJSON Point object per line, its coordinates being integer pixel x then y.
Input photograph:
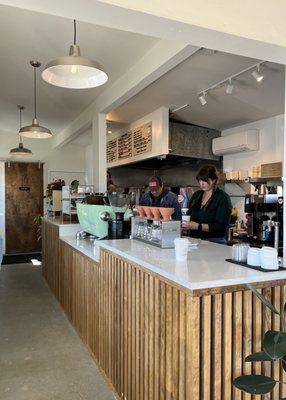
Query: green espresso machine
{"type": "Point", "coordinates": [107, 221]}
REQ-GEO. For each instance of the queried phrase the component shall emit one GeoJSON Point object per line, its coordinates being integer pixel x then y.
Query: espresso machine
{"type": "Point", "coordinates": [106, 221]}
{"type": "Point", "coordinates": [265, 219]}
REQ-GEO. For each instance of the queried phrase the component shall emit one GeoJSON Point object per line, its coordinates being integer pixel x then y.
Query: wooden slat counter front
{"type": "Point", "coordinates": [154, 337]}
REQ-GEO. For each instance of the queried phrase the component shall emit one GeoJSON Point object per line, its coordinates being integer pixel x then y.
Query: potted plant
{"type": "Point", "coordinates": [53, 194]}
{"type": "Point", "coordinates": [273, 351]}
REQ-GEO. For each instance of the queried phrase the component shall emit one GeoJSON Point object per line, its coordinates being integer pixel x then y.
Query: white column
{"type": "Point", "coordinates": [99, 152]}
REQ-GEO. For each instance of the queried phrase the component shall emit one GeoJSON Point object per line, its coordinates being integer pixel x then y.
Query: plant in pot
{"type": "Point", "coordinates": [273, 351]}
{"type": "Point", "coordinates": [52, 188]}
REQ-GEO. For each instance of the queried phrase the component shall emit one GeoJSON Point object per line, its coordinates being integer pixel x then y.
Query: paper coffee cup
{"type": "Point", "coordinates": [181, 248]}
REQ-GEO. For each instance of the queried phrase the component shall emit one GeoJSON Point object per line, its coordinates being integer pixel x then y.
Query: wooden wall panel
{"type": "Point", "coordinates": [154, 341]}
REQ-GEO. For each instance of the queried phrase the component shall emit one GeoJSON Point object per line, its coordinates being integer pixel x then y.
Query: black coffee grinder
{"type": "Point", "coordinates": [118, 227]}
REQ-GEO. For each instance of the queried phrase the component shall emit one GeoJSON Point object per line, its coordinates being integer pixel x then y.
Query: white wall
{"type": "Point", "coordinates": [68, 161]}
{"type": "Point", "coordinates": [270, 149]}
{"type": "Point", "coordinates": [88, 164]}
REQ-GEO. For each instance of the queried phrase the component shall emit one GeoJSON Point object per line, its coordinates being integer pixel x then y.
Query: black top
{"type": "Point", "coordinates": [216, 213]}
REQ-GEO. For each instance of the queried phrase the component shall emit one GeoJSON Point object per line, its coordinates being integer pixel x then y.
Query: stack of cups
{"type": "Point", "coordinates": [269, 258]}
{"type": "Point", "coordinates": [239, 252]}
{"type": "Point", "coordinates": [253, 257]}
{"type": "Point", "coordinates": [181, 248]}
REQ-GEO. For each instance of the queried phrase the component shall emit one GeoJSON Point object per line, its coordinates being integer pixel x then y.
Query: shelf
{"type": "Point", "coordinates": [255, 180]}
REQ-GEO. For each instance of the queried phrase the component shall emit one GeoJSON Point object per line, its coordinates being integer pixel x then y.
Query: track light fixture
{"type": "Point", "coordinates": [257, 75]}
{"type": "Point", "coordinates": [229, 81]}
{"type": "Point", "coordinates": [202, 99]}
{"type": "Point", "coordinates": [229, 87]}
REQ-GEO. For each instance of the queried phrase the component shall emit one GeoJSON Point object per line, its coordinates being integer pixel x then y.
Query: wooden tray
{"type": "Point", "coordinates": [244, 264]}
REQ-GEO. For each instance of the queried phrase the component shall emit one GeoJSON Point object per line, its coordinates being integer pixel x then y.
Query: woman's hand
{"type": "Point", "coordinates": [190, 225]}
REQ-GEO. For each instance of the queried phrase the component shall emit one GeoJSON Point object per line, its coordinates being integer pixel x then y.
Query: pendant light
{"type": "Point", "coordinates": [74, 71]}
{"type": "Point", "coordinates": [20, 150]}
{"type": "Point", "coordinates": [35, 131]}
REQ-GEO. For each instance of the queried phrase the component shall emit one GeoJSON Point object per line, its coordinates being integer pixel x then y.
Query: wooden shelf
{"type": "Point", "coordinates": [255, 180]}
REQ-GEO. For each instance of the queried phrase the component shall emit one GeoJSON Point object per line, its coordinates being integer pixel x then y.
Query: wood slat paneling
{"type": "Point", "coordinates": [154, 341]}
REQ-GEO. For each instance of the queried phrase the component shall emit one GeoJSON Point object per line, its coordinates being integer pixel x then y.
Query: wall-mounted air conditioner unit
{"type": "Point", "coordinates": [236, 143]}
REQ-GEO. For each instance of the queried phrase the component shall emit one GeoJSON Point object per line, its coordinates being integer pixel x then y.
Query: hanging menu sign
{"type": "Point", "coordinates": [125, 146]}
{"type": "Point", "coordinates": [142, 139]}
{"type": "Point", "coordinates": [111, 151]}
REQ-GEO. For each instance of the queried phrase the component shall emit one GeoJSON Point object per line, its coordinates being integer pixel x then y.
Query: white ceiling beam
{"type": "Point", "coordinates": [161, 58]}
{"type": "Point", "coordinates": [230, 33]}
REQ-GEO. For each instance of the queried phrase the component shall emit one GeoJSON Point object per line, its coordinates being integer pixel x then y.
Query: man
{"type": "Point", "coordinates": [109, 183]}
{"type": "Point", "coordinates": [159, 196]}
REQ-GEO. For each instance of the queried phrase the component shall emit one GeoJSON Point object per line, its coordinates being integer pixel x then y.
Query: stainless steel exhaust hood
{"type": "Point", "coordinates": [188, 145]}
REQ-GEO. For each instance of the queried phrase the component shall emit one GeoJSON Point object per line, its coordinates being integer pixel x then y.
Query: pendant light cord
{"type": "Point", "coordinates": [20, 137]}
{"type": "Point", "coordinates": [35, 94]}
{"type": "Point", "coordinates": [74, 32]}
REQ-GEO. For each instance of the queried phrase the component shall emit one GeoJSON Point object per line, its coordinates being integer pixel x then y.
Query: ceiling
{"type": "Point", "coordinates": [250, 101]}
{"type": "Point", "coordinates": [27, 35]}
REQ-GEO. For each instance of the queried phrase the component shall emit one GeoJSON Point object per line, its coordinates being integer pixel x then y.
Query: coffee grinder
{"type": "Point", "coordinates": [119, 227]}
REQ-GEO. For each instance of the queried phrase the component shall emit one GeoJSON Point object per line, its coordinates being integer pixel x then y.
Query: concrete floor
{"type": "Point", "coordinates": [41, 356]}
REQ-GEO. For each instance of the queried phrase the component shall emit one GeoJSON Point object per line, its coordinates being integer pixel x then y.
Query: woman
{"type": "Point", "coordinates": [210, 208]}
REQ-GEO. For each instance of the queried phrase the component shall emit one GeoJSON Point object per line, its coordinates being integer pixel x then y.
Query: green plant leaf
{"type": "Point", "coordinates": [254, 384]}
{"type": "Point", "coordinates": [260, 356]}
{"type": "Point", "coordinates": [274, 344]}
{"type": "Point", "coordinates": [263, 299]}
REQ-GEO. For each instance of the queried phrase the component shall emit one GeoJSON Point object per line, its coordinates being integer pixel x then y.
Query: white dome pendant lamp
{"type": "Point", "coordinates": [35, 131]}
{"type": "Point", "coordinates": [20, 151]}
{"type": "Point", "coordinates": [74, 71]}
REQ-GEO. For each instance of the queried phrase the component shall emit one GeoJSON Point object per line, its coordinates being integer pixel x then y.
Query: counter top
{"type": "Point", "coordinates": [205, 268]}
{"type": "Point", "coordinates": [66, 228]}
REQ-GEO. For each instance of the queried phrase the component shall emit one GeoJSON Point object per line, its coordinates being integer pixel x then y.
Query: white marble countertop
{"type": "Point", "coordinates": [66, 228]}
{"type": "Point", "coordinates": [205, 268]}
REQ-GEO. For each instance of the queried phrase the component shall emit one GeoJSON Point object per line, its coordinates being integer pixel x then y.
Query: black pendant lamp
{"type": "Point", "coordinates": [35, 131]}
{"type": "Point", "coordinates": [20, 151]}
{"type": "Point", "coordinates": [74, 71]}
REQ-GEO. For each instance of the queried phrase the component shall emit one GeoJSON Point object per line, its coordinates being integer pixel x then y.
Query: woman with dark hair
{"type": "Point", "coordinates": [210, 208]}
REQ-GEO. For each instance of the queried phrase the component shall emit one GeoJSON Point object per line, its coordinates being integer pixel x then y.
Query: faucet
{"type": "Point", "coordinates": [80, 235]}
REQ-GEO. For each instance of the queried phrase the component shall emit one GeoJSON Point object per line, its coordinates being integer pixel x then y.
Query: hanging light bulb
{"type": "Point", "coordinates": [202, 98]}
{"type": "Point", "coordinates": [257, 75]}
{"type": "Point", "coordinates": [20, 150]}
{"type": "Point", "coordinates": [74, 71]}
{"type": "Point", "coordinates": [229, 87]}
{"type": "Point", "coordinates": [35, 131]}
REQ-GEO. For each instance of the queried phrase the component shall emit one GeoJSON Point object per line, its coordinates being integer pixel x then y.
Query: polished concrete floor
{"type": "Point", "coordinates": [41, 356]}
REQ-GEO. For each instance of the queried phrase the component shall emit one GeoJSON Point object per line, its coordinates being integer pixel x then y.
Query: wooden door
{"type": "Point", "coordinates": [23, 201]}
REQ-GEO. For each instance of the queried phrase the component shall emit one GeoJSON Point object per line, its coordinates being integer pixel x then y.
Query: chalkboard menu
{"type": "Point", "coordinates": [125, 146]}
{"type": "Point", "coordinates": [111, 151]}
{"type": "Point", "coordinates": [142, 139]}
{"type": "Point", "coordinates": [132, 143]}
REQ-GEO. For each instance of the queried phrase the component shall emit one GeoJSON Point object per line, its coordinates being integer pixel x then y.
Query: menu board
{"type": "Point", "coordinates": [142, 139]}
{"type": "Point", "coordinates": [111, 150]}
{"type": "Point", "coordinates": [132, 143]}
{"type": "Point", "coordinates": [125, 146]}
